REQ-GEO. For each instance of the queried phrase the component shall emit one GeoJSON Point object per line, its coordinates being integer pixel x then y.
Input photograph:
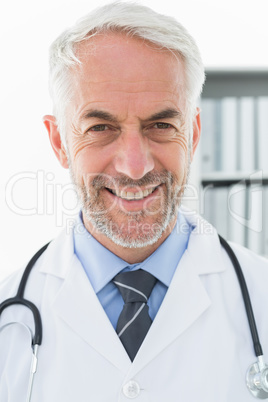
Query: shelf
{"type": "Point", "coordinates": [221, 179]}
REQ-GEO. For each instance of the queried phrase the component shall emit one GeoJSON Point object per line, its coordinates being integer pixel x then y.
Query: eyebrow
{"type": "Point", "coordinates": [102, 115]}
{"type": "Point", "coordinates": [166, 114]}
{"type": "Point", "coordinates": [99, 114]}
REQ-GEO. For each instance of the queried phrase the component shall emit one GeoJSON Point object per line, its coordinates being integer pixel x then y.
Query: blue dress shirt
{"type": "Point", "coordinates": [101, 266]}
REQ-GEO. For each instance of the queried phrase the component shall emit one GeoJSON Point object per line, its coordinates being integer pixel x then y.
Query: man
{"type": "Point", "coordinates": [124, 83]}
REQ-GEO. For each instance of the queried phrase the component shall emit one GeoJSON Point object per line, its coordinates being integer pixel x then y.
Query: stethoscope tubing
{"type": "Point", "coordinates": [19, 299]}
{"type": "Point", "coordinates": [246, 297]}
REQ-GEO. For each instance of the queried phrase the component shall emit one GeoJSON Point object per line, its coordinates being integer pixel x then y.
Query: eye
{"type": "Point", "coordinates": [101, 134]}
{"type": "Point", "coordinates": [162, 126]}
{"type": "Point", "coordinates": [99, 127]}
{"type": "Point", "coordinates": [160, 132]}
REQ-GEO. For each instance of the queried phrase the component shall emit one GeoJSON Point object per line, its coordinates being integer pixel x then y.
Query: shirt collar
{"type": "Point", "coordinates": [164, 261]}
{"type": "Point", "coordinates": [101, 265]}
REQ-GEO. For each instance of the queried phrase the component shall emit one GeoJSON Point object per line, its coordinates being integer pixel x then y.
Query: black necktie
{"type": "Point", "coordinates": [134, 320]}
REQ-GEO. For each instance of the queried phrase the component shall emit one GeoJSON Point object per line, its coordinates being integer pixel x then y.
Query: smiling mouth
{"type": "Point", "coordinates": [130, 196]}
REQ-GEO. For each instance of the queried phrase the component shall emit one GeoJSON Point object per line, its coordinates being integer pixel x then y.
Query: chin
{"type": "Point", "coordinates": [132, 231]}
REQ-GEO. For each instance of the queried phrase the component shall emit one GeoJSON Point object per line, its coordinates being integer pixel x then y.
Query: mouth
{"type": "Point", "coordinates": [132, 196]}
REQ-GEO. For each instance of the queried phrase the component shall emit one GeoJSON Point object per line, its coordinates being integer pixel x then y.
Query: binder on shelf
{"type": "Point", "coordinates": [207, 140]}
{"type": "Point", "coordinates": [215, 209]}
{"type": "Point", "coordinates": [229, 150]}
{"type": "Point", "coordinates": [265, 224]}
{"type": "Point", "coordinates": [237, 213]}
{"type": "Point", "coordinates": [255, 219]}
{"type": "Point", "coordinates": [262, 124]}
{"type": "Point", "coordinates": [221, 213]}
{"type": "Point", "coordinates": [246, 134]}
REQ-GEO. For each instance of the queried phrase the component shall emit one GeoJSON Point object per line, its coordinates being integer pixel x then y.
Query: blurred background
{"type": "Point", "coordinates": [229, 175]}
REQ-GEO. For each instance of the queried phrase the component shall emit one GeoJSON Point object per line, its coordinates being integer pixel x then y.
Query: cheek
{"type": "Point", "coordinates": [78, 149]}
{"type": "Point", "coordinates": [78, 144]}
{"type": "Point", "coordinates": [181, 153]}
{"type": "Point", "coordinates": [174, 157]}
{"type": "Point", "coordinates": [181, 142]}
{"type": "Point", "coordinates": [87, 160]}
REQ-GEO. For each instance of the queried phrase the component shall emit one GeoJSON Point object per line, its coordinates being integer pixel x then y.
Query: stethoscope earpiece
{"type": "Point", "coordinates": [257, 379]}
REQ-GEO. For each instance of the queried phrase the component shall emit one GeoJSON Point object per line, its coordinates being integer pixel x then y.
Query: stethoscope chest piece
{"type": "Point", "coordinates": [257, 379]}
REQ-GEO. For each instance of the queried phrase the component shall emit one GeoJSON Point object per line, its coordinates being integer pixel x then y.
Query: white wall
{"type": "Point", "coordinates": [229, 34]}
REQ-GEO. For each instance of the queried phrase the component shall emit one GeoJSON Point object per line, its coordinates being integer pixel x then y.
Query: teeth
{"type": "Point", "coordinates": [129, 195]}
{"type": "Point", "coordinates": [146, 192]}
{"type": "Point", "coordinates": [139, 195]}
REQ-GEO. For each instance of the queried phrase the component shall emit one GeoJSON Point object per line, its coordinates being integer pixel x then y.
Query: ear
{"type": "Point", "coordinates": [196, 131]}
{"type": "Point", "coordinates": [55, 140]}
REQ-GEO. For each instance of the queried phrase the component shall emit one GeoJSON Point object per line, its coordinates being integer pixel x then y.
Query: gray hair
{"type": "Point", "coordinates": [133, 20]}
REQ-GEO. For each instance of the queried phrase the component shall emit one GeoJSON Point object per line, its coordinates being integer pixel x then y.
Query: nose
{"type": "Point", "coordinates": [134, 158]}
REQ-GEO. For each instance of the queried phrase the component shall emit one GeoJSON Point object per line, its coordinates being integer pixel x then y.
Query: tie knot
{"type": "Point", "coordinates": [135, 286]}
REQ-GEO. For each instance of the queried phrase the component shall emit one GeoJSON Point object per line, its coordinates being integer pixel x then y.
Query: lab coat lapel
{"type": "Point", "coordinates": [78, 306]}
{"type": "Point", "coordinates": [186, 299]}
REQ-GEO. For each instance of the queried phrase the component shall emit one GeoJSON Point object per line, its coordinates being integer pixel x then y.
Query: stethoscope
{"type": "Point", "coordinates": [257, 374]}
{"type": "Point", "coordinates": [19, 299]}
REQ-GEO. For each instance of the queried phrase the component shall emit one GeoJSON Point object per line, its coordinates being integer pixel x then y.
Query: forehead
{"type": "Point", "coordinates": [114, 65]}
{"type": "Point", "coordinates": [116, 51]}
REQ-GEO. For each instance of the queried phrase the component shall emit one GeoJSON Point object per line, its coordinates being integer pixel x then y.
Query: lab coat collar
{"type": "Point", "coordinates": [55, 261]}
{"type": "Point", "coordinates": [204, 246]}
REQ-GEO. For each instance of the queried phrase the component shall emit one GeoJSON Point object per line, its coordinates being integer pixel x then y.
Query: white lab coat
{"type": "Point", "coordinates": [198, 348]}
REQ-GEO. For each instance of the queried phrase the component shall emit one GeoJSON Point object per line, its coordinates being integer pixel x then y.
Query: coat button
{"type": "Point", "coordinates": [131, 389]}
